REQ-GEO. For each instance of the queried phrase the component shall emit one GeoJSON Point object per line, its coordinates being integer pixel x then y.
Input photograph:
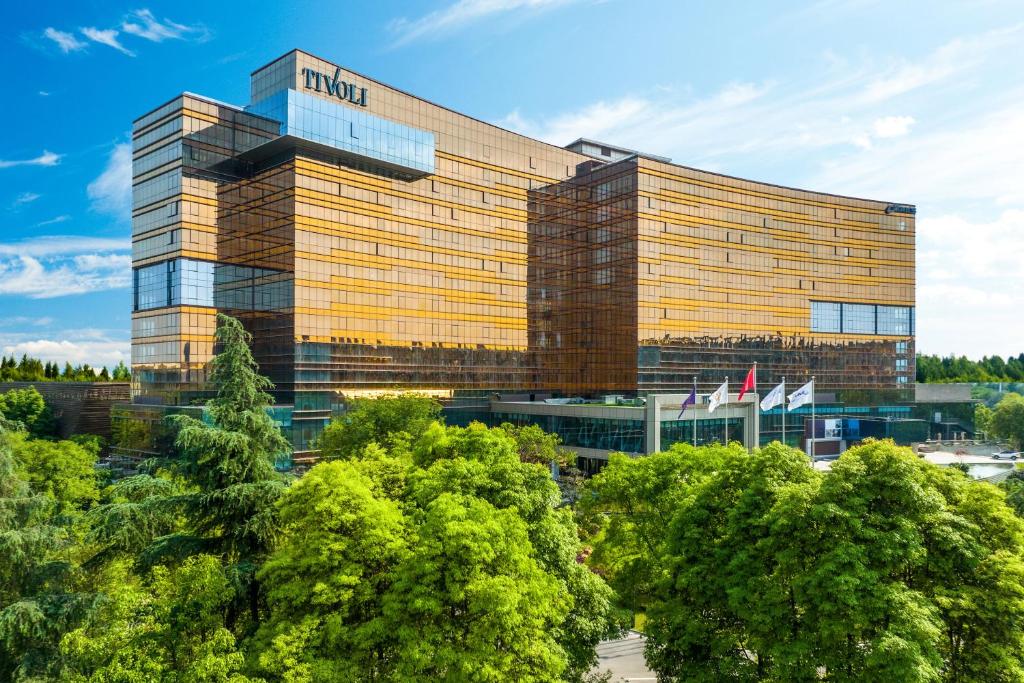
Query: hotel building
{"type": "Point", "coordinates": [375, 242]}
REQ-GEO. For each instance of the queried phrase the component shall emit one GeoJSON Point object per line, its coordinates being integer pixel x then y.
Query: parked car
{"type": "Point", "coordinates": [1006, 455]}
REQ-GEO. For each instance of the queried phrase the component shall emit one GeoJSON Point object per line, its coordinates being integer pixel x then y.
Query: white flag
{"type": "Point", "coordinates": [775, 397]}
{"type": "Point", "coordinates": [720, 396]}
{"type": "Point", "coordinates": [802, 396]}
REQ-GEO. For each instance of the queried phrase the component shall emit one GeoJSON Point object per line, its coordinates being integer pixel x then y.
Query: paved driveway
{"type": "Point", "coordinates": [625, 659]}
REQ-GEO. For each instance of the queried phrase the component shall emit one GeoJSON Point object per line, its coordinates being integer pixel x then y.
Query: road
{"type": "Point", "coordinates": [625, 659]}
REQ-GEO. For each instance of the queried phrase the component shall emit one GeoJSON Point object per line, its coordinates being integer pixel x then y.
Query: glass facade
{"type": "Point", "coordinates": [708, 431]}
{"type": "Point", "coordinates": [826, 316]}
{"type": "Point", "coordinates": [177, 282]}
{"type": "Point", "coordinates": [625, 436]}
{"type": "Point", "coordinates": [384, 243]}
{"type": "Point", "coordinates": [346, 128]}
{"type": "Point", "coordinates": [837, 317]}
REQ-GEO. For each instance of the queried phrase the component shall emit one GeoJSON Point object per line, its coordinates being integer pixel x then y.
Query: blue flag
{"type": "Point", "coordinates": [691, 400]}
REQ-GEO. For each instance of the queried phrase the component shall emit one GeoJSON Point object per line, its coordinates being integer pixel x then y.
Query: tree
{"type": "Point", "coordinates": [544, 448]}
{"type": "Point", "coordinates": [380, 420]}
{"type": "Point", "coordinates": [484, 463]}
{"type": "Point", "coordinates": [630, 504]}
{"type": "Point", "coordinates": [982, 418]}
{"type": "Point", "coordinates": [876, 524]}
{"type": "Point", "coordinates": [471, 603]}
{"type": "Point", "coordinates": [121, 372]}
{"type": "Point", "coordinates": [887, 568]}
{"type": "Point", "coordinates": [961, 369]}
{"type": "Point", "coordinates": [720, 604]}
{"type": "Point", "coordinates": [38, 602]}
{"type": "Point", "coordinates": [228, 485]}
{"type": "Point", "coordinates": [537, 446]}
{"type": "Point", "coordinates": [343, 539]}
{"type": "Point", "coordinates": [28, 407]}
{"type": "Point", "coordinates": [1007, 420]}
{"type": "Point", "coordinates": [447, 557]}
{"type": "Point", "coordinates": [167, 628]}
{"type": "Point", "coordinates": [1013, 486]}
{"type": "Point", "coordinates": [981, 609]}
{"type": "Point", "coordinates": [64, 471]}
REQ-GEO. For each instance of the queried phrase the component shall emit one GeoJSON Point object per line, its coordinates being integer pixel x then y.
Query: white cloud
{"type": "Point", "coordinates": [26, 198]}
{"type": "Point", "coordinates": [143, 24]}
{"type": "Point", "coordinates": [463, 12]}
{"type": "Point", "coordinates": [954, 248]}
{"type": "Point", "coordinates": [93, 263]}
{"type": "Point", "coordinates": [969, 161]}
{"type": "Point", "coordinates": [111, 192]}
{"type": "Point", "coordinates": [599, 121]}
{"type": "Point", "coordinates": [22, 320]}
{"type": "Point", "coordinates": [971, 286]}
{"type": "Point", "coordinates": [44, 159]}
{"type": "Point", "coordinates": [28, 276]}
{"type": "Point", "coordinates": [825, 132]}
{"type": "Point", "coordinates": [56, 219]}
{"type": "Point", "coordinates": [106, 37]}
{"type": "Point", "coordinates": [892, 126]}
{"type": "Point", "coordinates": [72, 347]}
{"type": "Point", "coordinates": [65, 41]}
{"type": "Point", "coordinates": [47, 267]}
{"type": "Point", "coordinates": [63, 245]}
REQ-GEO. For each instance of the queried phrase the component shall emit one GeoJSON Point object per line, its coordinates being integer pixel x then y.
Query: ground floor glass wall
{"type": "Point", "coordinates": [708, 431]}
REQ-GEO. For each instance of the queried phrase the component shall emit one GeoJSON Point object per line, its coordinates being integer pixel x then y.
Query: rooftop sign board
{"type": "Point", "coordinates": [334, 86]}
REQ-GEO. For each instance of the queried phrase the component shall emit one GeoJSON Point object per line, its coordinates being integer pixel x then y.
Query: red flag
{"type": "Point", "coordinates": [749, 384]}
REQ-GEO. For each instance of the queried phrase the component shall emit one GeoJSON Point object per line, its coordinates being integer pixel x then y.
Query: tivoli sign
{"type": "Point", "coordinates": [333, 85]}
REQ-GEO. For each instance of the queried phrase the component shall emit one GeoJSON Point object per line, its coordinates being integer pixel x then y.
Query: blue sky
{"type": "Point", "coordinates": [918, 102]}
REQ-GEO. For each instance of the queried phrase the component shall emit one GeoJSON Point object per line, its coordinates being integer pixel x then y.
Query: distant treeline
{"type": "Point", "coordinates": [961, 369]}
{"type": "Point", "coordinates": [35, 370]}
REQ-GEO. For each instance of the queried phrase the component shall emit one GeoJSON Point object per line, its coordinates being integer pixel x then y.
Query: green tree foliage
{"type": "Point", "coordinates": [632, 502]}
{"type": "Point", "coordinates": [39, 600]}
{"type": "Point", "coordinates": [960, 369]}
{"type": "Point", "coordinates": [544, 448]}
{"type": "Point", "coordinates": [537, 446]}
{"type": "Point", "coordinates": [451, 560]}
{"type": "Point", "coordinates": [231, 461]}
{"type": "Point", "coordinates": [472, 601]}
{"type": "Point", "coordinates": [28, 407]}
{"type": "Point", "coordinates": [169, 627]}
{"type": "Point", "coordinates": [121, 372]}
{"type": "Point", "coordinates": [1007, 420]}
{"type": "Point", "coordinates": [886, 568]}
{"type": "Point", "coordinates": [217, 494]}
{"type": "Point", "coordinates": [343, 538]}
{"type": "Point", "coordinates": [982, 418]}
{"type": "Point", "coordinates": [1013, 486]}
{"type": "Point", "coordinates": [65, 471]}
{"type": "Point", "coordinates": [35, 370]}
{"type": "Point", "coordinates": [381, 420]}
{"type": "Point", "coordinates": [437, 553]}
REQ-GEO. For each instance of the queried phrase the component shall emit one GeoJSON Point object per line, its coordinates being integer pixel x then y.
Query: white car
{"type": "Point", "coordinates": [1006, 455]}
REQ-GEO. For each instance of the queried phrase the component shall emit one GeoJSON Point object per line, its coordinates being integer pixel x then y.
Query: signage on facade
{"type": "Point", "coordinates": [333, 85]}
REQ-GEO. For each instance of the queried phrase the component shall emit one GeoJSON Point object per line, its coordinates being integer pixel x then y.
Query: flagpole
{"type": "Point", "coordinates": [757, 407]}
{"type": "Point", "coordinates": [726, 436]}
{"type": "Point", "coordinates": [813, 427]}
{"type": "Point", "coordinates": [783, 411]}
{"type": "Point", "coordinates": [695, 410]}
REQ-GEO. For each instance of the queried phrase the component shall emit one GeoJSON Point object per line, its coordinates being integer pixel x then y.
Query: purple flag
{"type": "Point", "coordinates": [690, 401]}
